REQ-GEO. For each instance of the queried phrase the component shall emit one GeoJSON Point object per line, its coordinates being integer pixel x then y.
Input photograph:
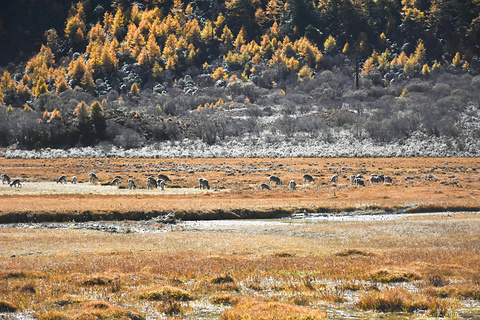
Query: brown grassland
{"type": "Point", "coordinates": [235, 185]}
{"type": "Point", "coordinates": [418, 266]}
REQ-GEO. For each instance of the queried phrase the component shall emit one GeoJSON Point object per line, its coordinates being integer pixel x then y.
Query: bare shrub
{"type": "Point", "coordinates": [286, 125]}
{"type": "Point", "coordinates": [128, 139]}
{"type": "Point", "coordinates": [48, 101]}
{"type": "Point", "coordinates": [247, 89]}
{"type": "Point", "coordinates": [418, 86]}
{"type": "Point", "coordinates": [440, 90]}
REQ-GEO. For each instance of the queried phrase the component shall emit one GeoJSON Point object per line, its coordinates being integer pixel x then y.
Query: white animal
{"type": "Point", "coordinates": [334, 178]}
{"type": "Point", "coordinates": [151, 183]}
{"type": "Point", "coordinates": [292, 185]}
{"type": "Point", "coordinates": [161, 184]}
{"type": "Point", "coordinates": [131, 184]}
{"type": "Point", "coordinates": [92, 177]}
{"type": "Point", "coordinates": [5, 179]}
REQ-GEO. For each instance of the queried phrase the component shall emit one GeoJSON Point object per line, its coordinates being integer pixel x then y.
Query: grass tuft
{"type": "Point", "coordinates": [463, 291]}
{"type": "Point", "coordinates": [283, 255]}
{"type": "Point", "coordinates": [224, 299]}
{"type": "Point", "coordinates": [222, 279]}
{"type": "Point", "coordinates": [68, 300]}
{"type": "Point", "coordinates": [104, 310]}
{"type": "Point", "coordinates": [437, 281]}
{"type": "Point", "coordinates": [55, 315]}
{"type": "Point", "coordinates": [271, 310]}
{"type": "Point", "coordinates": [384, 301]}
{"type": "Point", "coordinates": [28, 288]}
{"type": "Point", "coordinates": [397, 300]}
{"type": "Point", "coordinates": [170, 307]}
{"type": "Point", "coordinates": [165, 293]}
{"type": "Point", "coordinates": [97, 281]}
{"type": "Point", "coordinates": [351, 252]}
{"type": "Point", "coordinates": [386, 277]}
{"type": "Point", "coordinates": [7, 306]}
{"type": "Point", "coordinates": [15, 275]}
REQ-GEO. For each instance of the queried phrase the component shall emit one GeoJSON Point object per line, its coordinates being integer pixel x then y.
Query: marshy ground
{"type": "Point", "coordinates": [425, 264]}
{"type": "Point", "coordinates": [415, 266]}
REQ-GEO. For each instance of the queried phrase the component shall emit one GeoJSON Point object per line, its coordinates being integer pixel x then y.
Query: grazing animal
{"type": "Point", "coordinates": [5, 179]}
{"type": "Point", "coordinates": [359, 182]}
{"type": "Point", "coordinates": [334, 178]}
{"type": "Point", "coordinates": [274, 179]}
{"type": "Point", "coordinates": [376, 179]}
{"type": "Point", "coordinates": [16, 183]}
{"type": "Point", "coordinates": [308, 178]}
{"type": "Point", "coordinates": [352, 179]}
{"type": "Point", "coordinates": [203, 184]}
{"type": "Point", "coordinates": [151, 183]}
{"type": "Point", "coordinates": [74, 180]}
{"type": "Point", "coordinates": [387, 179]}
{"type": "Point", "coordinates": [264, 186]}
{"type": "Point", "coordinates": [62, 179]}
{"type": "Point", "coordinates": [92, 177]}
{"type": "Point", "coordinates": [163, 177]}
{"type": "Point", "coordinates": [292, 185]}
{"type": "Point", "coordinates": [161, 184]}
{"type": "Point", "coordinates": [115, 182]}
{"type": "Point", "coordinates": [131, 184]}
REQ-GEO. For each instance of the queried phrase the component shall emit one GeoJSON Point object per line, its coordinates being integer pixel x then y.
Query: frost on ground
{"type": "Point", "coordinates": [37, 188]}
{"type": "Point", "coordinates": [299, 145]}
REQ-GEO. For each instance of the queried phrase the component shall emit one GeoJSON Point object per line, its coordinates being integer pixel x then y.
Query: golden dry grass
{"type": "Point", "coordinates": [313, 265]}
{"type": "Point", "coordinates": [272, 311]}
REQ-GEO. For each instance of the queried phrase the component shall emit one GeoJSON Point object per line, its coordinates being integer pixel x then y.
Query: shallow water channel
{"type": "Point", "coordinates": [158, 225]}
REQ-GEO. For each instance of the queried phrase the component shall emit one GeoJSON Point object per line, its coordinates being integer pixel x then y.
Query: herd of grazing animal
{"type": "Point", "coordinates": [355, 180]}
{"type": "Point", "coordinates": [162, 179]}
{"type": "Point", "coordinates": [13, 183]}
{"type": "Point", "coordinates": [151, 182]}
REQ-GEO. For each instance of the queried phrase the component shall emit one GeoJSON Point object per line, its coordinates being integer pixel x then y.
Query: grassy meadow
{"type": "Point", "coordinates": [418, 266]}
{"type": "Point", "coordinates": [419, 184]}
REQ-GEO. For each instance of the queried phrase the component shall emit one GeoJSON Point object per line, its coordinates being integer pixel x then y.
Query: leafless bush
{"type": "Point", "coordinates": [341, 118]}
{"type": "Point", "coordinates": [418, 86]}
{"type": "Point", "coordinates": [48, 101]}
{"type": "Point", "coordinates": [127, 138]}
{"type": "Point", "coordinates": [209, 128]}
{"type": "Point", "coordinates": [247, 89]}
{"type": "Point", "coordinates": [286, 125]}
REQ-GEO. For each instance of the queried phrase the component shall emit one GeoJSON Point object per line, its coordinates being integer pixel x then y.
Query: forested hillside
{"type": "Point", "coordinates": [255, 74]}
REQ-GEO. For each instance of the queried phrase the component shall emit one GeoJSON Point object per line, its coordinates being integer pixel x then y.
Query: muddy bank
{"type": "Point", "coordinates": [217, 214]}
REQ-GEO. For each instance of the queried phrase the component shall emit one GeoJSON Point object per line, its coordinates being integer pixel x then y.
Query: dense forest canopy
{"type": "Point", "coordinates": [74, 70]}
